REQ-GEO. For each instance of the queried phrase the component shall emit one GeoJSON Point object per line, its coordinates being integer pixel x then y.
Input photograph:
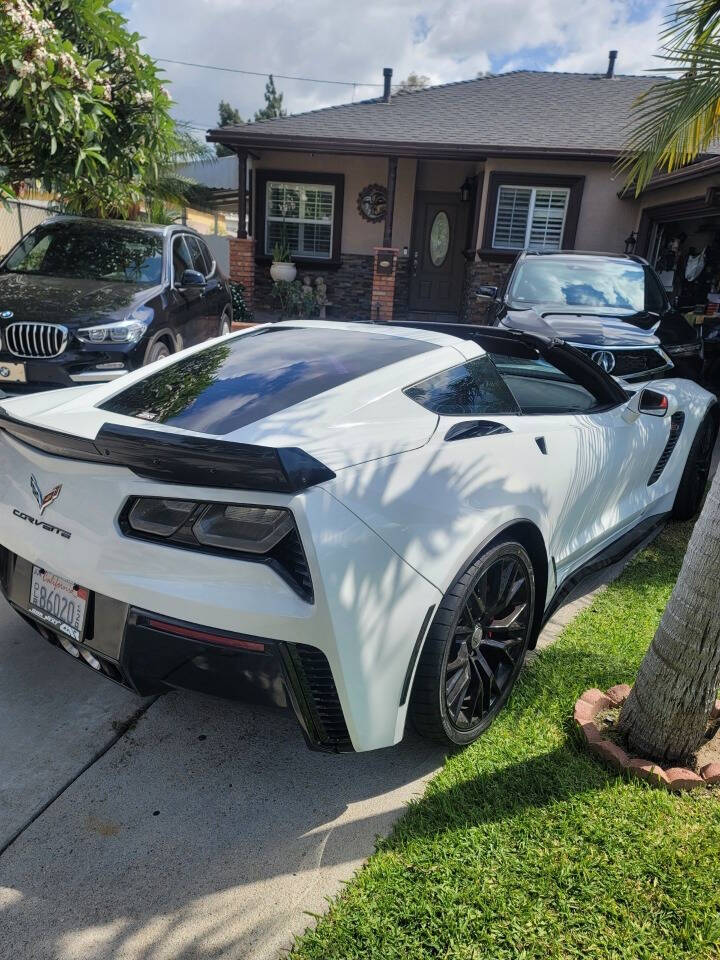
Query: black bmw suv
{"type": "Point", "coordinates": [610, 306]}
{"type": "Point", "coordinates": [85, 301]}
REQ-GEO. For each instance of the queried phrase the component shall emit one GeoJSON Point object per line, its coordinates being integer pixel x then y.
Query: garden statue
{"type": "Point", "coordinates": [321, 296]}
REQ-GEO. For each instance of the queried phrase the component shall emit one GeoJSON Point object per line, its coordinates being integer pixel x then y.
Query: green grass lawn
{"type": "Point", "coordinates": [524, 846]}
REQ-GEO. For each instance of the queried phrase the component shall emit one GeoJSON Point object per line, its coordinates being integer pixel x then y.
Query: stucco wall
{"type": "Point", "coordinates": [358, 236]}
{"type": "Point", "coordinates": [605, 220]}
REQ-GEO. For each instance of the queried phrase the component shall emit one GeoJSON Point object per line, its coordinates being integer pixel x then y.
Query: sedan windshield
{"type": "Point", "coordinates": [87, 251]}
{"type": "Point", "coordinates": [580, 282]}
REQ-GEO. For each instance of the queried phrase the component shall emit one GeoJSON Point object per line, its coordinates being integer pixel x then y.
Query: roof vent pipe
{"type": "Point", "coordinates": [387, 77]}
{"type": "Point", "coordinates": [611, 64]}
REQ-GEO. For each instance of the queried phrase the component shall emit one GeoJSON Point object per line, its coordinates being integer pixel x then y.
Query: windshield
{"type": "Point", "coordinates": [580, 282]}
{"type": "Point", "coordinates": [89, 252]}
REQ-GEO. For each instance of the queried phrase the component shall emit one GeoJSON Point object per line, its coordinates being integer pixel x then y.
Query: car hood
{"type": "Point", "coordinates": [66, 300]}
{"type": "Point", "coordinates": [592, 329]}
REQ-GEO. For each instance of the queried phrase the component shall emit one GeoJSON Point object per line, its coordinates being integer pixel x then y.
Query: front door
{"type": "Point", "coordinates": [437, 265]}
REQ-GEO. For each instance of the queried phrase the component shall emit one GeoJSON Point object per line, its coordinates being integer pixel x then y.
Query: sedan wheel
{"type": "Point", "coordinates": [475, 647]}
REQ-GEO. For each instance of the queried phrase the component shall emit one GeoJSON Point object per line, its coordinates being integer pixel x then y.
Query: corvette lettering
{"type": "Point", "coordinates": [51, 528]}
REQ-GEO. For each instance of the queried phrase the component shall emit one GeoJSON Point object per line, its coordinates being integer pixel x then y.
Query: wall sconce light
{"type": "Point", "coordinates": [630, 242]}
{"type": "Point", "coordinates": [466, 190]}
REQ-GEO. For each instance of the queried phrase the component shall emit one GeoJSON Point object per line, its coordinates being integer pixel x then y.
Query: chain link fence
{"type": "Point", "coordinates": [19, 216]}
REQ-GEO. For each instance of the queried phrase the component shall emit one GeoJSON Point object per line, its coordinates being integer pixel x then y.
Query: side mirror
{"type": "Point", "coordinates": [486, 293]}
{"type": "Point", "coordinates": [192, 278]}
{"type": "Point", "coordinates": [653, 403]}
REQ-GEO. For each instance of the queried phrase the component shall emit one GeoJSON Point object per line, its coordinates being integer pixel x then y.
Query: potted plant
{"type": "Point", "coordinates": [282, 269]}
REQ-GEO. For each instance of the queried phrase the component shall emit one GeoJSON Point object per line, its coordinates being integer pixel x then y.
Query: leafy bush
{"type": "Point", "coordinates": [294, 299]}
{"type": "Point", "coordinates": [241, 312]}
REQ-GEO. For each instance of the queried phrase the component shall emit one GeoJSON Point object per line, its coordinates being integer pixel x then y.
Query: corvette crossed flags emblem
{"type": "Point", "coordinates": [44, 501]}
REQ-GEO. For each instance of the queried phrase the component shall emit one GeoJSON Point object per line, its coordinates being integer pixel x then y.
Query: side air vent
{"type": "Point", "coordinates": [290, 557]}
{"type": "Point", "coordinates": [319, 696]}
{"type": "Point", "coordinates": [475, 428]}
{"type": "Point", "coordinates": [676, 424]}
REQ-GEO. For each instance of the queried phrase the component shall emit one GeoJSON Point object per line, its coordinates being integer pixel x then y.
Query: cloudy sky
{"type": "Point", "coordinates": [347, 40]}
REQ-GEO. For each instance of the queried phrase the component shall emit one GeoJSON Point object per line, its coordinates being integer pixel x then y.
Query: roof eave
{"type": "Point", "coordinates": [246, 140]}
{"type": "Point", "coordinates": [694, 171]}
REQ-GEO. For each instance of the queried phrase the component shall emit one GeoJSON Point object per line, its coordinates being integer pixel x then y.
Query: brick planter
{"type": "Point", "coordinates": [594, 701]}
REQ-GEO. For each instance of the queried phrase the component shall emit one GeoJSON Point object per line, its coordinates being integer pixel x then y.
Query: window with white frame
{"type": "Point", "coordinates": [530, 218]}
{"type": "Point", "coordinates": [301, 215]}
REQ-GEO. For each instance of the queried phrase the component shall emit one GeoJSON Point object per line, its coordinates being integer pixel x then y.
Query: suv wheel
{"type": "Point", "coordinates": [225, 322]}
{"type": "Point", "coordinates": [157, 351]}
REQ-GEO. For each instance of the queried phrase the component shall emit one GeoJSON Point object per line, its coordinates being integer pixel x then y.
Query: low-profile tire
{"type": "Point", "coordinates": [225, 322]}
{"type": "Point", "coordinates": [156, 352]}
{"type": "Point", "coordinates": [690, 493]}
{"type": "Point", "coordinates": [475, 647]}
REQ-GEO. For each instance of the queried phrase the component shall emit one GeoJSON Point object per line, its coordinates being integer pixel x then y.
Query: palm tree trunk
{"type": "Point", "coordinates": [666, 714]}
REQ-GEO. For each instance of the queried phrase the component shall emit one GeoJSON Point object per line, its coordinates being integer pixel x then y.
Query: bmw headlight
{"type": "Point", "coordinates": [130, 330]}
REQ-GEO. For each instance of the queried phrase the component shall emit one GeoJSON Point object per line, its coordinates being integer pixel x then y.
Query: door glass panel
{"type": "Point", "coordinates": [439, 238]}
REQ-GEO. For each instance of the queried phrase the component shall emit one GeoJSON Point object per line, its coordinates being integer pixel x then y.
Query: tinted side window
{"type": "Point", "coordinates": [654, 296]}
{"type": "Point", "coordinates": [197, 256]}
{"type": "Point", "coordinates": [181, 259]}
{"type": "Point", "coordinates": [207, 257]}
{"type": "Point", "coordinates": [541, 388]}
{"type": "Point", "coordinates": [473, 388]}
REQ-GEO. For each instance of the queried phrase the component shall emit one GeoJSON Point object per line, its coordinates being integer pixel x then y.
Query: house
{"type": "Point", "coordinates": [407, 202]}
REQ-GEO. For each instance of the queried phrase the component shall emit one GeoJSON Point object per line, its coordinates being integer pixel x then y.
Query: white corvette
{"type": "Point", "coordinates": [358, 521]}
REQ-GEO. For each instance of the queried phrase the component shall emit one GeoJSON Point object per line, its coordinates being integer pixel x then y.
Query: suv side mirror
{"type": "Point", "coordinates": [192, 278]}
{"type": "Point", "coordinates": [486, 293]}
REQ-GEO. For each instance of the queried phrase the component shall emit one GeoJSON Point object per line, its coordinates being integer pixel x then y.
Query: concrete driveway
{"type": "Point", "coordinates": [183, 827]}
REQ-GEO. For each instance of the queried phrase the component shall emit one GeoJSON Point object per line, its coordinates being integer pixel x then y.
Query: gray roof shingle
{"type": "Point", "coordinates": [522, 109]}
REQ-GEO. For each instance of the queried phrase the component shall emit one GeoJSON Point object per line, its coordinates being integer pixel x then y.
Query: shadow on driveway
{"type": "Point", "coordinates": [206, 831]}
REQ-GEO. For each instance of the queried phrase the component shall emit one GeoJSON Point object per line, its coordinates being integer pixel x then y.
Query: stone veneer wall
{"type": "Point", "coordinates": [402, 284]}
{"type": "Point", "coordinates": [349, 286]}
{"type": "Point", "coordinates": [479, 272]}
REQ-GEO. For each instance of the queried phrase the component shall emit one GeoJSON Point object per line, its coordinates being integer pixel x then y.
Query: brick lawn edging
{"type": "Point", "coordinates": [673, 778]}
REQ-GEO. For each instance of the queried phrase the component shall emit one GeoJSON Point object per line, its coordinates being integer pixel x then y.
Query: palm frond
{"type": "Point", "coordinates": [679, 118]}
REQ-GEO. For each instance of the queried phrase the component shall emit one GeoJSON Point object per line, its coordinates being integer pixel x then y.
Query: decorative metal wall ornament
{"type": "Point", "coordinates": [372, 202]}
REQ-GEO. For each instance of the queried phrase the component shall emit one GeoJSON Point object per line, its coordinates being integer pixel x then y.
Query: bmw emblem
{"type": "Point", "coordinates": [604, 359]}
{"type": "Point", "coordinates": [6, 314]}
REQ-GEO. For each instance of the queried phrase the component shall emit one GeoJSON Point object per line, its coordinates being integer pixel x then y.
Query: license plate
{"type": "Point", "coordinates": [58, 602]}
{"type": "Point", "coordinates": [13, 372]}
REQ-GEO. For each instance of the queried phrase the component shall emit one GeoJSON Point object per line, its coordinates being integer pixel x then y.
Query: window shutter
{"type": "Point", "coordinates": [513, 207]}
{"type": "Point", "coordinates": [548, 219]}
{"type": "Point", "coordinates": [301, 215]}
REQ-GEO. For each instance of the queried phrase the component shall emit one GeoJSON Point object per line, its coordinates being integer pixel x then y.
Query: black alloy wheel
{"type": "Point", "coordinates": [693, 482]}
{"type": "Point", "coordinates": [475, 647]}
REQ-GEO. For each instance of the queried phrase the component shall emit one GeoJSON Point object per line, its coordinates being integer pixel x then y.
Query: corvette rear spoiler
{"type": "Point", "coordinates": [179, 458]}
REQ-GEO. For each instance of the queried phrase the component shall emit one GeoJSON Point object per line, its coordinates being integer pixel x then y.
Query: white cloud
{"type": "Point", "coordinates": [345, 40]}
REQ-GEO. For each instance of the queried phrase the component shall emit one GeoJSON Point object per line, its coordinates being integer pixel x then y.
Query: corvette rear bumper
{"type": "Point", "coordinates": [156, 653]}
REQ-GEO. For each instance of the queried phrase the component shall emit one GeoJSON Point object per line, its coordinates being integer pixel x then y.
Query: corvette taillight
{"type": "Point", "coordinates": [161, 518]}
{"type": "Point", "coordinates": [250, 531]}
{"type": "Point", "coordinates": [247, 529]}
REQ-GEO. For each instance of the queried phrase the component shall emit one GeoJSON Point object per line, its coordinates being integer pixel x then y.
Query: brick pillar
{"type": "Point", "coordinates": [242, 265]}
{"type": "Point", "coordinates": [383, 288]}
